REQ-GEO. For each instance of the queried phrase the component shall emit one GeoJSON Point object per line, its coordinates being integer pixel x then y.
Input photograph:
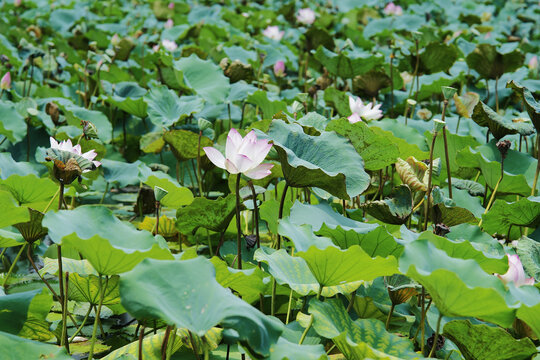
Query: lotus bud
{"type": "Point", "coordinates": [17, 3]}
{"type": "Point", "coordinates": [159, 193]}
{"type": "Point", "coordinates": [169, 24]}
{"type": "Point", "coordinates": [503, 147]}
{"type": "Point", "coordinates": [448, 92]}
{"type": "Point", "coordinates": [171, 6]}
{"type": "Point", "coordinates": [115, 40]}
{"type": "Point", "coordinates": [279, 68]}
{"type": "Point", "coordinates": [411, 102]}
{"type": "Point", "coordinates": [297, 106]}
{"type": "Point", "coordinates": [203, 124]}
{"type": "Point", "coordinates": [438, 125]}
{"type": "Point", "coordinates": [533, 63]}
{"type": "Point", "coordinates": [5, 83]}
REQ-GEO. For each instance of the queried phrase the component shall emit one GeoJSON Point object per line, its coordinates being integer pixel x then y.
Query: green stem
{"type": "Point", "coordinates": [289, 308]}
{"type": "Point", "coordinates": [199, 177]}
{"type": "Point", "coordinates": [423, 320]}
{"type": "Point", "coordinates": [273, 299]}
{"type": "Point", "coordinates": [304, 334]}
{"type": "Point", "coordinates": [434, 346]}
{"type": "Point", "coordinates": [535, 181]}
{"type": "Point", "coordinates": [98, 312]}
{"type": "Point", "coordinates": [280, 214]}
{"type": "Point", "coordinates": [492, 197]}
{"type": "Point", "coordinates": [82, 324]}
{"type": "Point", "coordinates": [238, 222]}
{"type": "Point", "coordinates": [447, 158]}
{"type": "Point", "coordinates": [430, 174]}
{"type": "Point", "coordinates": [390, 316]}
{"type": "Point", "coordinates": [64, 314]}
{"type": "Point", "coordinates": [13, 264]}
{"type": "Point", "coordinates": [104, 193]}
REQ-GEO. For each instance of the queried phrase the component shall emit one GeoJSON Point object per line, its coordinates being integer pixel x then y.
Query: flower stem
{"type": "Point", "coordinates": [535, 182]}
{"type": "Point", "coordinates": [238, 222]}
{"type": "Point", "coordinates": [13, 264]}
{"type": "Point", "coordinates": [280, 214]}
{"type": "Point", "coordinates": [434, 346]}
{"type": "Point", "coordinates": [98, 312]}
{"type": "Point", "coordinates": [492, 197]}
{"type": "Point", "coordinates": [390, 316]}
{"type": "Point", "coordinates": [82, 324]}
{"type": "Point", "coordinates": [430, 174]}
{"type": "Point", "coordinates": [255, 212]}
{"type": "Point", "coordinates": [304, 334]}
{"type": "Point", "coordinates": [199, 176]}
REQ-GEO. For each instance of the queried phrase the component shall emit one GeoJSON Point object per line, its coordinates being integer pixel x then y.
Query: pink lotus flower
{"type": "Point", "coordinates": [279, 68]}
{"type": "Point", "coordinates": [515, 272]}
{"type": "Point", "coordinates": [169, 45]}
{"type": "Point", "coordinates": [17, 3]}
{"type": "Point", "coordinates": [5, 83]}
{"type": "Point", "coordinates": [242, 155]}
{"type": "Point", "coordinates": [306, 16]}
{"type": "Point", "coordinates": [533, 62]}
{"type": "Point", "coordinates": [361, 111]}
{"type": "Point", "coordinates": [169, 24]}
{"type": "Point", "coordinates": [171, 5]}
{"type": "Point", "coordinates": [68, 146]}
{"type": "Point", "coordinates": [273, 32]}
{"type": "Point", "coordinates": [393, 9]}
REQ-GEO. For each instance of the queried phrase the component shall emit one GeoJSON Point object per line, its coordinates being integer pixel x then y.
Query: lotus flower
{"type": "Point", "coordinates": [169, 45]}
{"type": "Point", "coordinates": [393, 9]}
{"type": "Point", "coordinates": [171, 5]}
{"type": "Point", "coordinates": [515, 272]}
{"type": "Point", "coordinates": [272, 32]}
{"type": "Point", "coordinates": [17, 3]}
{"type": "Point", "coordinates": [533, 63]}
{"type": "Point", "coordinates": [67, 146]}
{"type": "Point", "coordinates": [279, 68]}
{"type": "Point", "coordinates": [5, 83]}
{"type": "Point", "coordinates": [306, 16]}
{"type": "Point", "coordinates": [169, 24]}
{"type": "Point", "coordinates": [242, 155]}
{"type": "Point", "coordinates": [361, 111]}
{"type": "Point", "coordinates": [69, 161]}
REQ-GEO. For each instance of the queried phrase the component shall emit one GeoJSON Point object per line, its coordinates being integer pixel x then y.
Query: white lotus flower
{"type": "Point", "coordinates": [68, 146]}
{"type": "Point", "coordinates": [242, 155]}
{"type": "Point", "coordinates": [169, 45]}
{"type": "Point", "coordinates": [306, 16]}
{"type": "Point", "coordinates": [515, 272]}
{"type": "Point", "coordinates": [273, 32]}
{"type": "Point", "coordinates": [361, 111]}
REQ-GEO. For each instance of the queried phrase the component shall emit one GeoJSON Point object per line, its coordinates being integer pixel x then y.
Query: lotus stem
{"type": "Point", "coordinates": [423, 319]}
{"type": "Point", "coordinates": [304, 334]}
{"type": "Point", "coordinates": [280, 214]}
{"type": "Point", "coordinates": [238, 223]}
{"type": "Point", "coordinates": [141, 336]}
{"type": "Point", "coordinates": [496, 94]}
{"type": "Point", "coordinates": [79, 329]}
{"type": "Point", "coordinates": [535, 181]}
{"type": "Point", "coordinates": [96, 321]}
{"type": "Point", "coordinates": [392, 83]}
{"type": "Point", "coordinates": [273, 299]}
{"type": "Point", "coordinates": [289, 308]}
{"type": "Point", "coordinates": [199, 177]}
{"type": "Point", "coordinates": [430, 174]}
{"type": "Point", "coordinates": [492, 197]}
{"type": "Point", "coordinates": [390, 316]}
{"type": "Point", "coordinates": [13, 264]}
{"type": "Point", "coordinates": [255, 213]}
{"type": "Point", "coordinates": [193, 346]}
{"type": "Point", "coordinates": [156, 231]}
{"type": "Point", "coordinates": [165, 343]}
{"type": "Point", "coordinates": [64, 314]}
{"type": "Point", "coordinates": [434, 346]}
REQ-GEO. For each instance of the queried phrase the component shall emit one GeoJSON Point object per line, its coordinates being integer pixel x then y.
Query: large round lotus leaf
{"type": "Point", "coordinates": [491, 63]}
{"type": "Point", "coordinates": [302, 236]}
{"type": "Point", "coordinates": [20, 348]}
{"type": "Point", "coordinates": [363, 338]}
{"type": "Point", "coordinates": [128, 96]}
{"type": "Point", "coordinates": [124, 173]}
{"type": "Point", "coordinates": [269, 108]}
{"type": "Point", "coordinates": [11, 213]}
{"type": "Point", "coordinates": [347, 64]}
{"type": "Point", "coordinates": [15, 310]}
{"type": "Point", "coordinates": [327, 161]}
{"type": "Point", "coordinates": [377, 150]}
{"type": "Point", "coordinates": [458, 287]}
{"type": "Point", "coordinates": [165, 108]}
{"type": "Point", "coordinates": [503, 215]}
{"type": "Point", "coordinates": [110, 245]}
{"type": "Point", "coordinates": [285, 349]}
{"type": "Point", "coordinates": [483, 115]}
{"type": "Point", "coordinates": [185, 144]}
{"type": "Point", "coordinates": [8, 167]}
{"type": "Point", "coordinates": [436, 57]}
{"type": "Point", "coordinates": [191, 298]}
{"type": "Point", "coordinates": [395, 210]}
{"type": "Point", "coordinates": [532, 106]}
{"type": "Point", "coordinates": [487, 342]}
{"type": "Point", "coordinates": [204, 77]}
{"type": "Point", "coordinates": [12, 125]}
{"type": "Point", "coordinates": [30, 190]}
{"type": "Point", "coordinates": [213, 215]}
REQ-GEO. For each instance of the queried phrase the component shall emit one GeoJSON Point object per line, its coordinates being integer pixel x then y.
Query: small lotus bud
{"type": "Point", "coordinates": [411, 102]}
{"type": "Point", "coordinates": [17, 3]}
{"type": "Point", "coordinates": [169, 24]}
{"type": "Point", "coordinates": [89, 130]}
{"type": "Point", "coordinates": [503, 147]}
{"type": "Point", "coordinates": [203, 124]}
{"type": "Point", "coordinates": [171, 5]}
{"type": "Point", "coordinates": [279, 68]}
{"type": "Point", "coordinates": [5, 83]}
{"type": "Point", "coordinates": [159, 193]}
{"type": "Point", "coordinates": [533, 62]}
{"type": "Point", "coordinates": [115, 40]}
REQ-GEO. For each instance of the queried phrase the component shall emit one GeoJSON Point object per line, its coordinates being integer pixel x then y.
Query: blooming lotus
{"type": "Point", "coordinates": [69, 161]}
{"type": "Point", "coordinates": [168, 24]}
{"type": "Point", "coordinates": [242, 155]}
{"type": "Point", "coordinates": [515, 272]}
{"type": "Point", "coordinates": [273, 32]}
{"type": "Point", "coordinates": [306, 16]}
{"type": "Point", "coordinates": [5, 83]}
{"type": "Point", "coordinates": [361, 111]}
{"type": "Point", "coordinates": [279, 68]}
{"type": "Point", "coordinates": [533, 62]}
{"type": "Point", "coordinates": [169, 45]}
{"type": "Point", "coordinates": [393, 9]}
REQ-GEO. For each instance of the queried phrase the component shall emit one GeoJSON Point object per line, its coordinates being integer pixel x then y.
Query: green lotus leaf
{"type": "Point", "coordinates": [129, 97]}
{"type": "Point", "coordinates": [191, 298]}
{"type": "Point", "coordinates": [407, 139]}
{"type": "Point", "coordinates": [152, 142]}
{"type": "Point", "coordinates": [487, 342]}
{"type": "Point", "coordinates": [74, 114]}
{"type": "Point", "coordinates": [492, 63]}
{"type": "Point", "coordinates": [465, 103]}
{"type": "Point", "coordinates": [376, 150]}
{"type": "Point", "coordinates": [176, 197]}
{"type": "Point", "coordinates": [360, 339]}
{"type": "Point", "coordinates": [110, 245]}
{"type": "Point", "coordinates": [369, 84]}
{"type": "Point", "coordinates": [151, 348]}
{"type": "Point", "coordinates": [32, 230]}
{"type": "Point", "coordinates": [458, 287]}
{"type": "Point", "coordinates": [29, 190]}
{"type": "Point", "coordinates": [483, 115]}
{"type": "Point", "coordinates": [124, 173]}
{"type": "Point", "coordinates": [86, 289]}
{"type": "Point", "coordinates": [504, 215]}
{"type": "Point", "coordinates": [204, 77]}
{"type": "Point", "coordinates": [269, 108]}
{"type": "Point", "coordinates": [36, 326]}
{"type": "Point", "coordinates": [431, 84]}
{"type": "Point", "coordinates": [436, 57]}
{"type": "Point", "coordinates": [209, 214]}
{"type": "Point", "coordinates": [18, 307]}
{"type": "Point", "coordinates": [21, 348]}
{"type": "Point", "coordinates": [326, 161]}
{"type": "Point", "coordinates": [302, 236]}
{"type": "Point", "coordinates": [532, 106]}
{"type": "Point", "coordinates": [285, 349]}
{"type": "Point", "coordinates": [472, 187]}
{"type": "Point", "coordinates": [337, 99]}
{"type": "Point", "coordinates": [393, 24]}
{"type": "Point", "coordinates": [165, 108]}
{"type": "Point", "coordinates": [185, 144]}
{"type": "Point", "coordinates": [12, 126]}
{"type": "Point", "coordinates": [395, 210]}
{"type": "Point", "coordinates": [529, 254]}
{"type": "Point", "coordinates": [10, 238]}
{"type": "Point", "coordinates": [11, 213]}
{"type": "Point", "coordinates": [9, 167]}
{"type": "Point", "coordinates": [347, 65]}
